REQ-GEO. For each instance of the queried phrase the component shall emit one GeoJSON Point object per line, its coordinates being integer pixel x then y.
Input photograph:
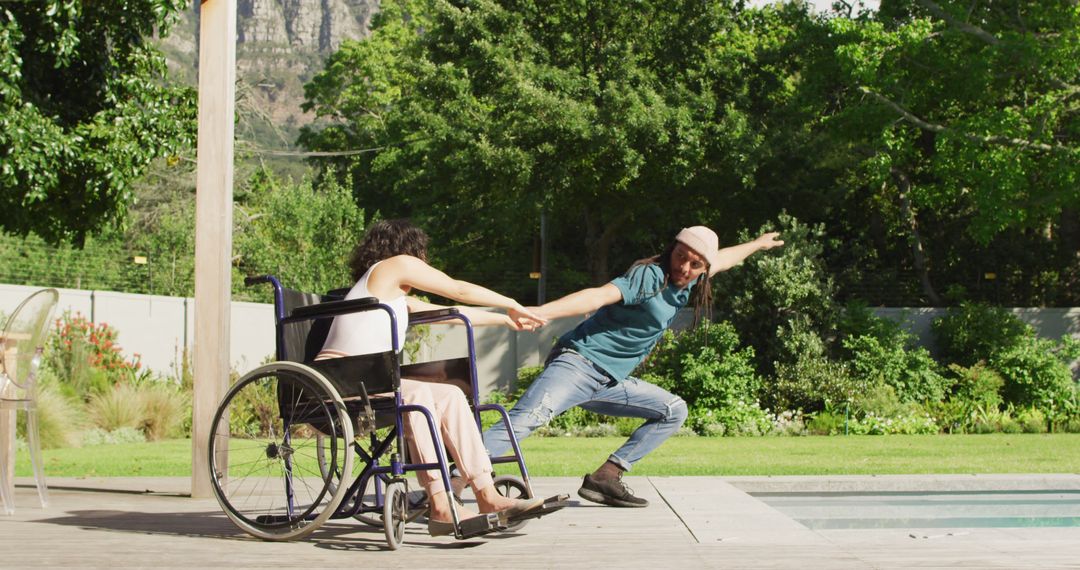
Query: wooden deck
{"type": "Point", "coordinates": [692, 522]}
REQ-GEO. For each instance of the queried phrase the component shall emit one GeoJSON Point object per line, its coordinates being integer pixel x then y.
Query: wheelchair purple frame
{"type": "Point", "coordinates": [354, 504]}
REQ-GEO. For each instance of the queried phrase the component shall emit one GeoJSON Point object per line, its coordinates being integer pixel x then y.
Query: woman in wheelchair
{"type": "Point", "coordinates": [389, 263]}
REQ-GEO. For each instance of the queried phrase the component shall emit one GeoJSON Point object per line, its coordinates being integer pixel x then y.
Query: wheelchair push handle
{"type": "Point", "coordinates": [256, 279]}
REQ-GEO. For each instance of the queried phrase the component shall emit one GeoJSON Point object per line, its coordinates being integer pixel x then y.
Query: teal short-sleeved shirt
{"type": "Point", "coordinates": [618, 337]}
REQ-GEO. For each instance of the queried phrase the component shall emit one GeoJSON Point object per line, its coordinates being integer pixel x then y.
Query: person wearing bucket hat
{"type": "Point", "coordinates": [590, 366]}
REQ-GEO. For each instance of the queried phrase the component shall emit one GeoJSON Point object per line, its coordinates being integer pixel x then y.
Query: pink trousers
{"type": "Point", "coordinates": [454, 420]}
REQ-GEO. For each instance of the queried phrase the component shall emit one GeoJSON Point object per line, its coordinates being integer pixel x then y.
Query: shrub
{"type": "Point", "coordinates": [704, 366]}
{"type": "Point", "coordinates": [1037, 375]}
{"type": "Point", "coordinates": [976, 398]}
{"type": "Point", "coordinates": [881, 351]}
{"type": "Point", "coordinates": [974, 331]}
{"type": "Point", "coordinates": [826, 422]}
{"type": "Point", "coordinates": [118, 408]}
{"type": "Point", "coordinates": [164, 407]}
{"type": "Point", "coordinates": [788, 422]}
{"type": "Point", "coordinates": [812, 379]}
{"type": "Point", "coordinates": [773, 288]}
{"type": "Point", "coordinates": [1032, 420]}
{"type": "Point", "coordinates": [908, 423]}
{"type": "Point", "coordinates": [912, 373]}
{"type": "Point", "coordinates": [254, 409]}
{"type": "Point", "coordinates": [880, 412]}
{"type": "Point", "coordinates": [86, 358]}
{"type": "Point", "coordinates": [59, 419]}
{"type": "Point", "coordinates": [734, 419]}
{"type": "Point", "coordinates": [98, 436]}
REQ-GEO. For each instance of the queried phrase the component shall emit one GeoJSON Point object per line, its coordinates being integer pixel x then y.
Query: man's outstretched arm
{"type": "Point", "coordinates": [731, 256]}
{"type": "Point", "coordinates": [581, 302]}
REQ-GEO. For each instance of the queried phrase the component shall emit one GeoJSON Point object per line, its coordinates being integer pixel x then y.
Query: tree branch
{"type": "Point", "coordinates": [936, 128]}
{"type": "Point", "coordinates": [980, 33]}
{"type": "Point", "coordinates": [976, 31]}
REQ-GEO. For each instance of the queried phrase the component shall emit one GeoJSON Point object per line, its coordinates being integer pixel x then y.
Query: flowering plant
{"type": "Point", "coordinates": [86, 356]}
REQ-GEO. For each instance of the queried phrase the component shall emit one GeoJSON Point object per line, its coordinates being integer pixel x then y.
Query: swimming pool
{"type": "Point", "coordinates": [928, 509]}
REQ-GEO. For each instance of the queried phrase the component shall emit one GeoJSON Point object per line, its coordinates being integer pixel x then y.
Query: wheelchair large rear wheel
{"type": "Point", "coordinates": [279, 439]}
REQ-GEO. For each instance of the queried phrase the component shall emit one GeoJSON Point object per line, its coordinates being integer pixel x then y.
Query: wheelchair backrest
{"type": "Point", "coordinates": [378, 373]}
{"type": "Point", "coordinates": [304, 339]}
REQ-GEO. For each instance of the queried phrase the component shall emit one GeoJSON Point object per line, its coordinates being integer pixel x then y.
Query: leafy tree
{"type": "Point", "coordinates": [963, 110]}
{"type": "Point", "coordinates": [85, 109]}
{"type": "Point", "coordinates": [591, 112]}
{"type": "Point", "coordinates": [299, 232]}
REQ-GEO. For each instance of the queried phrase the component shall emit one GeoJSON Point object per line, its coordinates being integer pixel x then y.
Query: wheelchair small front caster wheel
{"type": "Point", "coordinates": [513, 488]}
{"type": "Point", "coordinates": [395, 513]}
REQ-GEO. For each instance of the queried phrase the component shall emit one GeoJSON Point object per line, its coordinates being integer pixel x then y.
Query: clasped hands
{"type": "Point", "coordinates": [526, 318]}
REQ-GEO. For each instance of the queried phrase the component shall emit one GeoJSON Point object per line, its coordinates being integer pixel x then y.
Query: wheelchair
{"type": "Point", "coordinates": [288, 435]}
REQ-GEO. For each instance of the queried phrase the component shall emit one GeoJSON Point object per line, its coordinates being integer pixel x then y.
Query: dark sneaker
{"type": "Point", "coordinates": [612, 493]}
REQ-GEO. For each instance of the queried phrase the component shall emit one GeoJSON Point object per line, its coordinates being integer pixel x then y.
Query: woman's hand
{"type": "Point", "coordinates": [524, 319]}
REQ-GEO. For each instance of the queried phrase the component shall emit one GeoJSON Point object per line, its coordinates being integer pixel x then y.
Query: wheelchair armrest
{"type": "Point", "coordinates": [422, 317]}
{"type": "Point", "coordinates": [333, 308]}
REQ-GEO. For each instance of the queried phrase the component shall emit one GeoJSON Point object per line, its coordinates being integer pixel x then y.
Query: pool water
{"type": "Point", "coordinates": [921, 509]}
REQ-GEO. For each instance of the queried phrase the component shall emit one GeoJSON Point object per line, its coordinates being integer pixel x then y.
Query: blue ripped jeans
{"type": "Point", "coordinates": [569, 380]}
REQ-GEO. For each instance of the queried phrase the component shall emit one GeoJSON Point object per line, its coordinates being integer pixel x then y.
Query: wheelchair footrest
{"type": "Point", "coordinates": [551, 504]}
{"type": "Point", "coordinates": [479, 526]}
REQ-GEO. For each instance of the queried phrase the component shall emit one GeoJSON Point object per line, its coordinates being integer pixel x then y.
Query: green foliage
{"type": "Point", "coordinates": [976, 398]}
{"type": "Point", "coordinates": [736, 418]}
{"type": "Point", "coordinates": [117, 408]}
{"type": "Point", "coordinates": [780, 300]}
{"type": "Point", "coordinates": [300, 233]}
{"type": "Point", "coordinates": [59, 417]}
{"type": "Point", "coordinates": [879, 411]}
{"type": "Point", "coordinates": [499, 110]}
{"type": "Point", "coordinates": [166, 408]}
{"type": "Point", "coordinates": [119, 436]}
{"type": "Point", "coordinates": [704, 366]}
{"type": "Point", "coordinates": [1035, 371]}
{"type": "Point", "coordinates": [970, 104]}
{"type": "Point", "coordinates": [86, 108]}
{"type": "Point", "coordinates": [811, 384]}
{"type": "Point", "coordinates": [1037, 375]}
{"type": "Point", "coordinates": [826, 423]}
{"type": "Point", "coordinates": [86, 358]}
{"type": "Point", "coordinates": [910, 371]}
{"type": "Point", "coordinates": [254, 410]}
{"type": "Point", "coordinates": [974, 332]}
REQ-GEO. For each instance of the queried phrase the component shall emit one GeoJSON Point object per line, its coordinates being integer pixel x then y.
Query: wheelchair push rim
{"type": "Point", "coordinates": [264, 466]}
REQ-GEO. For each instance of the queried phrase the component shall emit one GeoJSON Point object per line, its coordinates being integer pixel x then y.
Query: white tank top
{"type": "Point", "coordinates": [368, 331]}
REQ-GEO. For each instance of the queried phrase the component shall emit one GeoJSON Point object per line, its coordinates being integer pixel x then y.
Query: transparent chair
{"type": "Point", "coordinates": [21, 345]}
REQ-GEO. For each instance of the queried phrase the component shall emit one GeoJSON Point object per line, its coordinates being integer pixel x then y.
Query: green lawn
{"type": "Point", "coordinates": [565, 456]}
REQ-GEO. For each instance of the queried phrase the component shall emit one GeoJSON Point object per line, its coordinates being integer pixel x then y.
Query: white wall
{"type": "Point", "coordinates": [160, 328]}
{"type": "Point", "coordinates": [1052, 323]}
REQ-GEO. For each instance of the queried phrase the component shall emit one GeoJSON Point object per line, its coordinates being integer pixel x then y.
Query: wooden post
{"type": "Point", "coordinates": [213, 226]}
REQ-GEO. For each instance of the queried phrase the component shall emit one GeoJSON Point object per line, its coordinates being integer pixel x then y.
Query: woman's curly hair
{"type": "Point", "coordinates": [387, 238]}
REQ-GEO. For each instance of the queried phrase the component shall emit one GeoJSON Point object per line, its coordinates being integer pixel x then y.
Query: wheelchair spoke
{"type": "Point", "coordinates": [277, 478]}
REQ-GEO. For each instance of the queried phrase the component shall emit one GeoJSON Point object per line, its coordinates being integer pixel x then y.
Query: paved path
{"type": "Point", "coordinates": [692, 522]}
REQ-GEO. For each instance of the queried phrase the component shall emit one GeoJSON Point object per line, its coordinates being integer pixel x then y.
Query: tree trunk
{"type": "Point", "coordinates": [918, 254]}
{"type": "Point", "coordinates": [598, 239]}
{"type": "Point", "coordinates": [596, 252]}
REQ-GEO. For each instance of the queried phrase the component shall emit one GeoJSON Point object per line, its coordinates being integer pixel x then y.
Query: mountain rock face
{"type": "Point", "coordinates": [280, 44]}
{"type": "Point", "coordinates": [313, 25]}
